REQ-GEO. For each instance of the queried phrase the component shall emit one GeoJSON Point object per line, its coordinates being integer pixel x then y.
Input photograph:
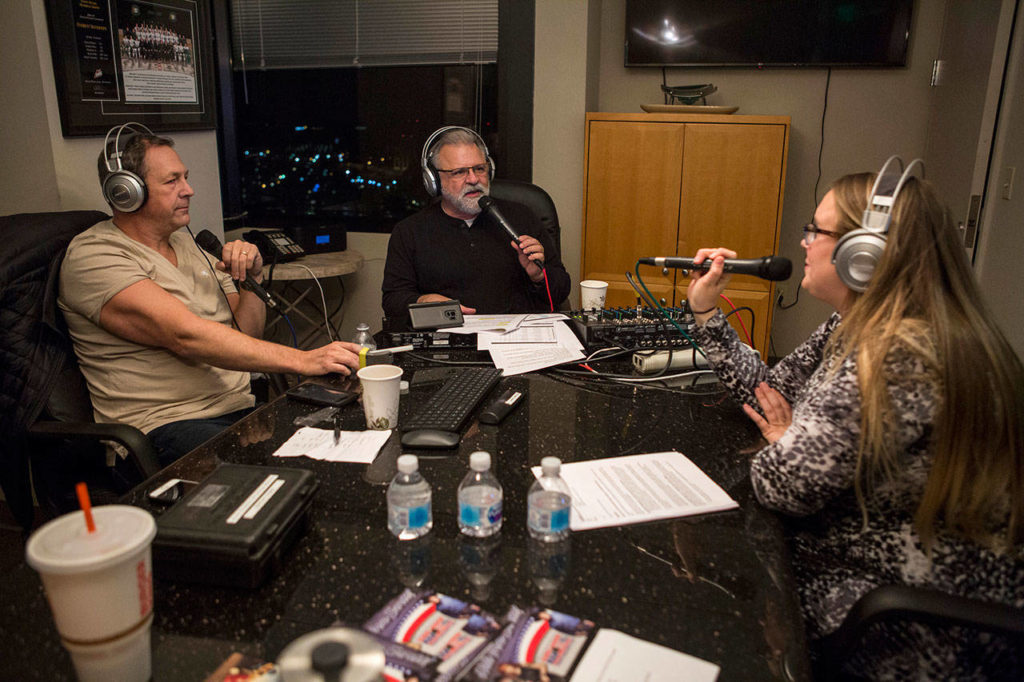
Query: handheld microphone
{"type": "Point", "coordinates": [208, 242]}
{"type": "Point", "coordinates": [774, 268]}
{"type": "Point", "coordinates": [487, 205]}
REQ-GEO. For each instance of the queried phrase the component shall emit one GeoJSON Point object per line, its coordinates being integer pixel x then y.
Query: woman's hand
{"type": "Point", "coordinates": [705, 287]}
{"type": "Point", "coordinates": [778, 414]}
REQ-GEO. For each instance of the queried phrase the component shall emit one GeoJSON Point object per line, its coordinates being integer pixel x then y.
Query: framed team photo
{"type": "Point", "coordinates": [141, 60]}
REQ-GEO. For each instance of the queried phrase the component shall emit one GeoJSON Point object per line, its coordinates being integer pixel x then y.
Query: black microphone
{"type": "Point", "coordinates": [487, 205]}
{"type": "Point", "coordinates": [209, 242]}
{"type": "Point", "coordinates": [774, 268]}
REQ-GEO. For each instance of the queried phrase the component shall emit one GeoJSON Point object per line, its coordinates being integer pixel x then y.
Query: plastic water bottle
{"type": "Point", "coordinates": [409, 513]}
{"type": "Point", "coordinates": [363, 337]}
{"type": "Point", "coordinates": [480, 498]}
{"type": "Point", "coordinates": [548, 504]}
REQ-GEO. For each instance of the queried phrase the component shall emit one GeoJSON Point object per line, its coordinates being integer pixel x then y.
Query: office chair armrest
{"type": "Point", "coordinates": [140, 449]}
{"type": "Point", "coordinates": [903, 602]}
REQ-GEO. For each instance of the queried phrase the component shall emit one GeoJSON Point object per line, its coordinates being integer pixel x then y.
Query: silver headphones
{"type": "Point", "coordinates": [122, 189]}
{"type": "Point", "coordinates": [431, 179]}
{"type": "Point", "coordinates": [858, 252]}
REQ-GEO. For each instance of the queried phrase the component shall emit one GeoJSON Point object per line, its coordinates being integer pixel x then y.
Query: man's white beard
{"type": "Point", "coordinates": [464, 204]}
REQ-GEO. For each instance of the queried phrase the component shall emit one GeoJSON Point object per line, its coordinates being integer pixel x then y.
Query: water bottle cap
{"type": "Point", "coordinates": [408, 464]}
{"type": "Point", "coordinates": [480, 461]}
{"type": "Point", "coordinates": [550, 466]}
{"type": "Point", "coordinates": [362, 326]}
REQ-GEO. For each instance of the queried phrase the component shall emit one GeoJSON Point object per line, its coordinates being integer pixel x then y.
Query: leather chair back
{"type": "Point", "coordinates": [536, 199]}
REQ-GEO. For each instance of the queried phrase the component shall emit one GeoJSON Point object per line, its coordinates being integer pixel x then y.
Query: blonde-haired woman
{"type": "Point", "coordinates": [895, 432]}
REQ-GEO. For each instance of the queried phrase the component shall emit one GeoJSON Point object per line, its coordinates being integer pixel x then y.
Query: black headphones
{"type": "Point", "coordinates": [431, 179]}
{"type": "Point", "coordinates": [858, 252]}
{"type": "Point", "coordinates": [122, 189]}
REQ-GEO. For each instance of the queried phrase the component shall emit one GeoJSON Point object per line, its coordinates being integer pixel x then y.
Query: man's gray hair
{"type": "Point", "coordinates": [133, 154]}
{"type": "Point", "coordinates": [455, 136]}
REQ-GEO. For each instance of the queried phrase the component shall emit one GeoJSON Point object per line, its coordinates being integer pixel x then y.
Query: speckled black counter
{"type": "Point", "coordinates": [718, 587]}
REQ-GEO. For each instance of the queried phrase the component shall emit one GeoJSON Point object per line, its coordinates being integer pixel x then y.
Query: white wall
{"type": "Point", "coordinates": [1001, 238]}
{"type": "Point", "coordinates": [28, 179]}
{"type": "Point", "coordinates": [564, 89]}
{"type": "Point", "coordinates": [43, 170]}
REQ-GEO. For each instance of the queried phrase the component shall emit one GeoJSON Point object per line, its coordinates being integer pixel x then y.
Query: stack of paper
{"type": "Point", "coordinates": [523, 343]}
{"type": "Point", "coordinates": [614, 656]}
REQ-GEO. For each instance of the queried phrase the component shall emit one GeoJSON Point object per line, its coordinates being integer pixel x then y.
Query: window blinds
{"type": "Point", "coordinates": [294, 34]}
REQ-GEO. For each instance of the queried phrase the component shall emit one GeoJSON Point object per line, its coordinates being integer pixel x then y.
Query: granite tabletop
{"type": "Point", "coordinates": [717, 586]}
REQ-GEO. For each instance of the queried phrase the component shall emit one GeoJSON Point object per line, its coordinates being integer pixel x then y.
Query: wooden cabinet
{"type": "Point", "coordinates": [668, 184]}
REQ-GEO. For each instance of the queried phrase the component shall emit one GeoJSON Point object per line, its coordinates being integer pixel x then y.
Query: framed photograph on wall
{"type": "Point", "coordinates": [132, 60]}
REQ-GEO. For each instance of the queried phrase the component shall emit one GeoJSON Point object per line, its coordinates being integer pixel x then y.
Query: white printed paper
{"type": "Point", "coordinates": [360, 447]}
{"type": "Point", "coordinates": [524, 334]}
{"type": "Point", "coordinates": [474, 324]}
{"type": "Point", "coordinates": [617, 657]}
{"type": "Point", "coordinates": [501, 324]}
{"type": "Point", "coordinates": [622, 490]}
{"type": "Point", "coordinates": [520, 358]}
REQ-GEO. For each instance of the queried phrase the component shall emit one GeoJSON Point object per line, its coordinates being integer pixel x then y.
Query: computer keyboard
{"type": "Point", "coordinates": [448, 408]}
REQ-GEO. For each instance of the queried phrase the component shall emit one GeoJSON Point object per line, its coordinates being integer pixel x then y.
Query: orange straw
{"type": "Point", "coordinates": [86, 505]}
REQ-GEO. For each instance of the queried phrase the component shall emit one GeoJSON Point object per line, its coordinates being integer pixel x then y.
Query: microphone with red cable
{"type": "Point", "coordinates": [487, 205]}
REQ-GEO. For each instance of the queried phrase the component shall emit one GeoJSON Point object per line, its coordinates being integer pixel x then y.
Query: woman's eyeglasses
{"type": "Point", "coordinates": [461, 173]}
{"type": "Point", "coordinates": [811, 231]}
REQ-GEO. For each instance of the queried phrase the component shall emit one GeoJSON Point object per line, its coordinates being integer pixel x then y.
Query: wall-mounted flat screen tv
{"type": "Point", "coordinates": [866, 33]}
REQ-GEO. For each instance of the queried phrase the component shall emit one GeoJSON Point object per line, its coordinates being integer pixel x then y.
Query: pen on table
{"type": "Point", "coordinates": [337, 429]}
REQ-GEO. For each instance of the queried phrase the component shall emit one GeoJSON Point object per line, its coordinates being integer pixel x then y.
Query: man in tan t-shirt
{"type": "Point", "coordinates": [152, 321]}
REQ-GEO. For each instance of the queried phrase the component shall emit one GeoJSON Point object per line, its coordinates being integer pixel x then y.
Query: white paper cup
{"type": "Point", "coordinates": [100, 584]}
{"type": "Point", "coordinates": [592, 293]}
{"type": "Point", "coordinates": [381, 388]}
{"type": "Point", "coordinates": [126, 659]}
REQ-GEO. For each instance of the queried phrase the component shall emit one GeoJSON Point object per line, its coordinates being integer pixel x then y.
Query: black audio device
{"type": "Point", "coordinates": [637, 327]}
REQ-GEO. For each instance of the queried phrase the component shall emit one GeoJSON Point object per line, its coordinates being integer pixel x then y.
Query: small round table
{"type": "Point", "coordinates": [298, 280]}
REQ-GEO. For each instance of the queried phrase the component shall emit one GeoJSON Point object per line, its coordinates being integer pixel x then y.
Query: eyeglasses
{"type": "Point", "coordinates": [461, 173]}
{"type": "Point", "coordinates": [811, 231]}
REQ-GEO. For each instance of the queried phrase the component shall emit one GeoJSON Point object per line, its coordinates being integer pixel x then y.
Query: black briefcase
{"type": "Point", "coordinates": [234, 527]}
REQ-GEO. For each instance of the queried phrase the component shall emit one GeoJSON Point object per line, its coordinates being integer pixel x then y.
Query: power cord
{"type": "Point", "coordinates": [821, 144]}
{"type": "Point", "coordinates": [323, 301]}
{"type": "Point", "coordinates": [795, 300]}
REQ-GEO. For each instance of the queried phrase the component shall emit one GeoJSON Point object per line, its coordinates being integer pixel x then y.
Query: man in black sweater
{"type": "Point", "coordinates": [450, 251]}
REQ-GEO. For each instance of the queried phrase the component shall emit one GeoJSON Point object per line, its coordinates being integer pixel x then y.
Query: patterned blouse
{"type": "Point", "coordinates": [808, 475]}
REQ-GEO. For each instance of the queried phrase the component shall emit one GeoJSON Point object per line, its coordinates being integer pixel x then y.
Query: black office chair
{"type": "Point", "coordinates": [534, 198]}
{"type": "Point", "coordinates": [538, 201]}
{"type": "Point", "coordinates": [47, 433]}
{"type": "Point", "coordinates": [895, 603]}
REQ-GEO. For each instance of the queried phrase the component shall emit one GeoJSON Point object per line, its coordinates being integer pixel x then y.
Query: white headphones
{"type": "Point", "coordinates": [858, 252]}
{"type": "Point", "coordinates": [123, 189]}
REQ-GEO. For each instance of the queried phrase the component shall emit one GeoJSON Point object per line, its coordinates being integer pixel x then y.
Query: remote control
{"type": "Point", "coordinates": [501, 407]}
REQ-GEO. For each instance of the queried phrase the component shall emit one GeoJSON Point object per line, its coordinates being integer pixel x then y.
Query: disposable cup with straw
{"type": "Point", "coordinates": [96, 568]}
